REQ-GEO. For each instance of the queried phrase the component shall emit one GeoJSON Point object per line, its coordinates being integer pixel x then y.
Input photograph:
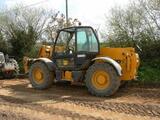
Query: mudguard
{"type": "Point", "coordinates": [116, 65]}
{"type": "Point", "coordinates": [50, 64]}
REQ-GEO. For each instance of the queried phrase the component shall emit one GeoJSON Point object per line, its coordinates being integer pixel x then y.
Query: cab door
{"type": "Point", "coordinates": [64, 51]}
{"type": "Point", "coordinates": [87, 47]}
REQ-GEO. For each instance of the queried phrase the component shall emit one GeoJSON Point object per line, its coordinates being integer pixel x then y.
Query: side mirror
{"type": "Point", "coordinates": [96, 32]}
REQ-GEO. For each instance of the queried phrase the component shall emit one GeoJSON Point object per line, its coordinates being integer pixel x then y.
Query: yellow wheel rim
{"type": "Point", "coordinates": [100, 80]}
{"type": "Point", "coordinates": [38, 75]}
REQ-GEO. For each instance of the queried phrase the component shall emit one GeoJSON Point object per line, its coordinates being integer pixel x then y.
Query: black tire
{"type": "Point", "coordinates": [47, 75]}
{"type": "Point", "coordinates": [123, 84]}
{"type": "Point", "coordinates": [114, 80]}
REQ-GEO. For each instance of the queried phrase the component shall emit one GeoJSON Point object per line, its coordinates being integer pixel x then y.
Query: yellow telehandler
{"type": "Point", "coordinates": [76, 56]}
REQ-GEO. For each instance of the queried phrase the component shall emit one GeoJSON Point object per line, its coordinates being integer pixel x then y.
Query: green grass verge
{"type": "Point", "coordinates": [149, 71]}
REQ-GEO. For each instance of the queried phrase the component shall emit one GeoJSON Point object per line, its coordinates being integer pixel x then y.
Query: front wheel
{"type": "Point", "coordinates": [102, 79]}
{"type": "Point", "coordinates": [40, 76]}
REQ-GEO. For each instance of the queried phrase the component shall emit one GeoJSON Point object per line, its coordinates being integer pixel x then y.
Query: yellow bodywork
{"type": "Point", "coordinates": [38, 76]}
{"type": "Point", "coordinates": [100, 80]}
{"type": "Point", "coordinates": [44, 52]}
{"type": "Point", "coordinates": [126, 57]}
{"type": "Point", "coordinates": [67, 76]}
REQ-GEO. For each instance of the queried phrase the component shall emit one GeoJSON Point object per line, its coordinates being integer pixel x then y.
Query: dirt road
{"type": "Point", "coordinates": [19, 101]}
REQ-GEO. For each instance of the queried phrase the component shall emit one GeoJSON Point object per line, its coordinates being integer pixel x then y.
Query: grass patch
{"type": "Point", "coordinates": [149, 71]}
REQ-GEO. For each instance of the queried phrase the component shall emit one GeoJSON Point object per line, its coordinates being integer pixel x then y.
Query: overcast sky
{"type": "Point", "coordinates": [90, 12]}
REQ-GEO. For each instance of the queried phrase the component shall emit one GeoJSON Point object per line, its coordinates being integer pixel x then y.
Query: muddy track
{"type": "Point", "coordinates": [134, 101]}
{"type": "Point", "coordinates": [52, 111]}
{"type": "Point", "coordinates": [119, 107]}
{"type": "Point", "coordinates": [128, 108]}
{"type": "Point", "coordinates": [18, 103]}
{"type": "Point", "coordinates": [5, 115]}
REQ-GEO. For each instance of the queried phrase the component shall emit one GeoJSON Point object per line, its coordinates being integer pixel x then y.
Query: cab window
{"type": "Point", "coordinates": [65, 41]}
{"type": "Point", "coordinates": [86, 40]}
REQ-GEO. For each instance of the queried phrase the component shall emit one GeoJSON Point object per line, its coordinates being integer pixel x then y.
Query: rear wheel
{"type": "Point", "coordinates": [123, 84]}
{"type": "Point", "coordinates": [102, 79]}
{"type": "Point", "coordinates": [40, 76]}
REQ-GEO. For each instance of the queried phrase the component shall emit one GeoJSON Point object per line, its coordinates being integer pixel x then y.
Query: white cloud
{"type": "Point", "coordinates": [90, 12]}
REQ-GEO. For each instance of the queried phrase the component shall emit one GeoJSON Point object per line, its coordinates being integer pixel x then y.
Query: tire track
{"type": "Point", "coordinates": [52, 111]}
{"type": "Point", "coordinates": [137, 109]}
{"type": "Point", "coordinates": [127, 108]}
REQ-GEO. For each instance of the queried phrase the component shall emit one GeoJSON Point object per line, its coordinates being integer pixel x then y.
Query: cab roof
{"type": "Point", "coordinates": [73, 28]}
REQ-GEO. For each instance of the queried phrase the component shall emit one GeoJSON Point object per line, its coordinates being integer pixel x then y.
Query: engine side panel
{"type": "Point", "coordinates": [126, 57]}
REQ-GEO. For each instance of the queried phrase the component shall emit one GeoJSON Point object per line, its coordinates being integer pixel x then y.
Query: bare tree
{"type": "Point", "coordinates": [137, 24]}
{"type": "Point", "coordinates": [22, 28]}
{"type": "Point", "coordinates": [57, 22]}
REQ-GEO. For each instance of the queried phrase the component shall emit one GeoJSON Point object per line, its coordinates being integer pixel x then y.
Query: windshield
{"type": "Point", "coordinates": [65, 41]}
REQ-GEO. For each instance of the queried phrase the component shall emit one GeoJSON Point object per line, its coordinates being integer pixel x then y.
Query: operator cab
{"type": "Point", "coordinates": [75, 47]}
